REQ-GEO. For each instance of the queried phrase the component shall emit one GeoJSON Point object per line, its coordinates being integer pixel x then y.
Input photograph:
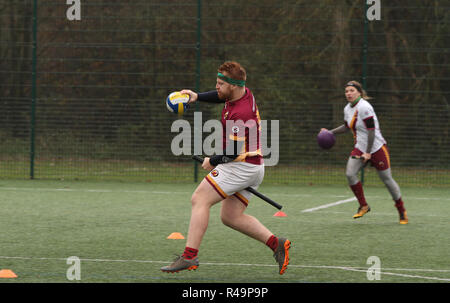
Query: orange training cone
{"type": "Point", "coordinates": [175, 236]}
{"type": "Point", "coordinates": [280, 214]}
{"type": "Point", "coordinates": [7, 273]}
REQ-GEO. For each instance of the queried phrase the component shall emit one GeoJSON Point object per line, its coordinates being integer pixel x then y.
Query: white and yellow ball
{"type": "Point", "coordinates": [177, 102]}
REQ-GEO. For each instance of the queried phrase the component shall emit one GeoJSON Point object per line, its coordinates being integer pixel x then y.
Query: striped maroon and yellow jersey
{"type": "Point", "coordinates": [241, 122]}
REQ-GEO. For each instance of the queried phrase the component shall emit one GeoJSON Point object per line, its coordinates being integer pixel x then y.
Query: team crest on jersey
{"type": "Point", "coordinates": [215, 173]}
{"type": "Point", "coordinates": [225, 115]}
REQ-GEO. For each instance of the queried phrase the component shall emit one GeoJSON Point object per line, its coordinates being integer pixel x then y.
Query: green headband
{"type": "Point", "coordinates": [230, 80]}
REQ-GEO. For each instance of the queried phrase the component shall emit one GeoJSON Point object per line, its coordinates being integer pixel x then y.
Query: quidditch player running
{"type": "Point", "coordinates": [240, 166]}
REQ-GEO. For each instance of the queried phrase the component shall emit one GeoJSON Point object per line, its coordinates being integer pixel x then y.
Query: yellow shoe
{"type": "Point", "coordinates": [362, 210]}
{"type": "Point", "coordinates": [403, 218]}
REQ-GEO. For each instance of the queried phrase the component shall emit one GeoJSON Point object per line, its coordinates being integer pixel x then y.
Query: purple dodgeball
{"type": "Point", "coordinates": [326, 139]}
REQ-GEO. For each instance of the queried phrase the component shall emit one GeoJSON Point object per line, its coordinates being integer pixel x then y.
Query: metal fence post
{"type": "Point", "coordinates": [364, 61]}
{"type": "Point", "coordinates": [197, 71]}
{"type": "Point", "coordinates": [33, 91]}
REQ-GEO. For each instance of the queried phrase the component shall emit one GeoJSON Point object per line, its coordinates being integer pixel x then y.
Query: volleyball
{"type": "Point", "coordinates": [326, 139]}
{"type": "Point", "coordinates": [177, 103]}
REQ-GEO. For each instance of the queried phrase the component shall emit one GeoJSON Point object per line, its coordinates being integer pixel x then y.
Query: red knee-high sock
{"type": "Point", "coordinates": [190, 253]}
{"type": "Point", "coordinates": [272, 242]}
{"type": "Point", "coordinates": [399, 205]}
{"type": "Point", "coordinates": [359, 193]}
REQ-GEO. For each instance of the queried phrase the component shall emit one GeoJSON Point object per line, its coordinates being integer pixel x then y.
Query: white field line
{"type": "Point", "coordinates": [398, 274]}
{"type": "Point", "coordinates": [328, 205]}
{"type": "Point", "coordinates": [354, 199]}
{"type": "Point", "coordinates": [91, 190]}
{"type": "Point", "coordinates": [369, 197]}
{"type": "Point", "coordinates": [347, 268]}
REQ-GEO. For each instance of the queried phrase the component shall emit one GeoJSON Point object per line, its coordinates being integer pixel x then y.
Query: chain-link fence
{"type": "Point", "coordinates": [85, 98]}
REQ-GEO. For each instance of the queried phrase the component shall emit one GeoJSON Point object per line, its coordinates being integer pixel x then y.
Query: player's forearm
{"type": "Point", "coordinates": [228, 155]}
{"type": "Point", "coordinates": [370, 125]}
{"type": "Point", "coordinates": [221, 159]}
{"type": "Point", "coordinates": [210, 97]}
{"type": "Point", "coordinates": [340, 129]}
{"type": "Point", "coordinates": [370, 140]}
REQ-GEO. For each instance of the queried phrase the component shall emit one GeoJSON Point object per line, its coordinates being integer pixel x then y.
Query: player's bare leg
{"type": "Point", "coordinates": [232, 215]}
{"type": "Point", "coordinates": [202, 199]}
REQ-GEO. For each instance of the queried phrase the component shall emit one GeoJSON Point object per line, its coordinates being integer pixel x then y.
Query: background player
{"type": "Point", "coordinates": [370, 146]}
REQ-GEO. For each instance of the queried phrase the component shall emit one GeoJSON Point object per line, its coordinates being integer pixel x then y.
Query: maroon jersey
{"type": "Point", "coordinates": [241, 122]}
